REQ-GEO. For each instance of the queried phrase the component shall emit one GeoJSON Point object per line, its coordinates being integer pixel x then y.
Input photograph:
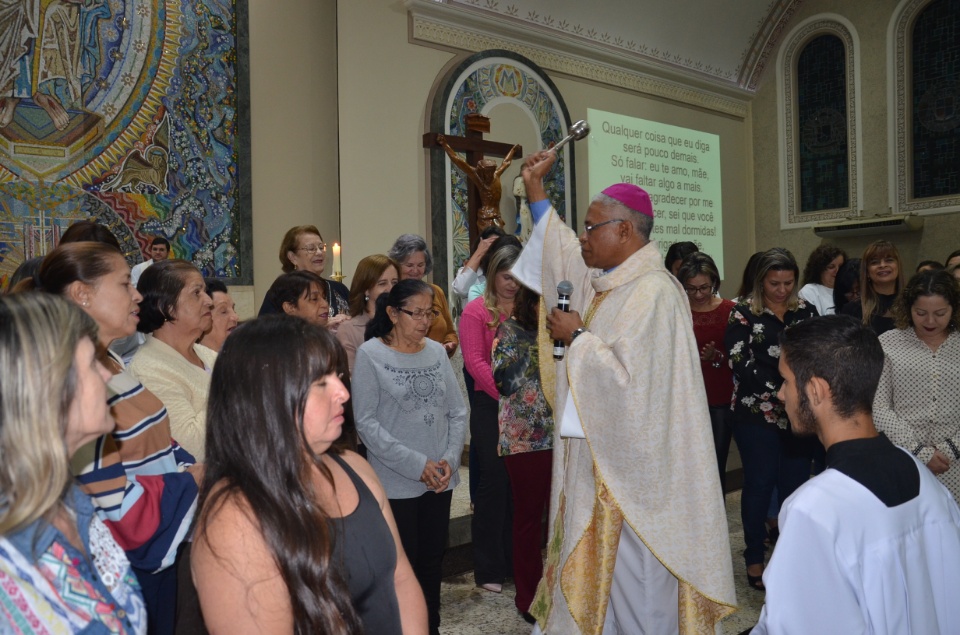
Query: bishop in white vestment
{"type": "Point", "coordinates": [639, 540]}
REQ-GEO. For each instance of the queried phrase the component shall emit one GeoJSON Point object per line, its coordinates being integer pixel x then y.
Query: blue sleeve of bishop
{"type": "Point", "coordinates": [539, 209]}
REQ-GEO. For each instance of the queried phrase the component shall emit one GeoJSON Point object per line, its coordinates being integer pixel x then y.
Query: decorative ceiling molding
{"type": "Point", "coordinates": [765, 40]}
{"type": "Point", "coordinates": [441, 24]}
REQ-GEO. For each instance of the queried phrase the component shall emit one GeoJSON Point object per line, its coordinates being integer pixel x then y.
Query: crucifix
{"type": "Point", "coordinates": [483, 198]}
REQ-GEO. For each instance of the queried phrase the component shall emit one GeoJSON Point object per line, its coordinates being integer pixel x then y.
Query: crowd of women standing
{"type": "Point", "coordinates": [916, 405]}
{"type": "Point", "coordinates": [232, 460]}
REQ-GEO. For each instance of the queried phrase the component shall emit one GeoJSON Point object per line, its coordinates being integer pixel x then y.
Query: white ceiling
{"type": "Point", "coordinates": [722, 41]}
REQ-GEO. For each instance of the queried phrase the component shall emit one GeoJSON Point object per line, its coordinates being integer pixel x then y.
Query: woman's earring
{"type": "Point", "coordinates": [366, 297]}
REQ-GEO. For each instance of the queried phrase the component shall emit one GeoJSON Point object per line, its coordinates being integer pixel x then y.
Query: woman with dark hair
{"type": "Point", "coordinates": [141, 481]}
{"type": "Point", "coordinates": [296, 536]}
{"type": "Point", "coordinates": [491, 523]}
{"type": "Point", "coordinates": [224, 318]}
{"type": "Point", "coordinates": [749, 273]}
{"type": "Point", "coordinates": [917, 403]}
{"type": "Point", "coordinates": [701, 280]}
{"type": "Point", "coordinates": [84, 231]}
{"type": "Point", "coordinates": [526, 440]}
{"type": "Point", "coordinates": [846, 287]}
{"type": "Point", "coordinates": [881, 278]}
{"type": "Point", "coordinates": [303, 249]}
{"type": "Point", "coordinates": [411, 417]}
{"type": "Point", "coordinates": [676, 253]}
{"type": "Point", "coordinates": [820, 276]}
{"type": "Point", "coordinates": [374, 276]}
{"type": "Point", "coordinates": [772, 456]}
{"type": "Point", "coordinates": [411, 253]}
{"type": "Point", "coordinates": [26, 270]}
{"type": "Point", "coordinates": [953, 259]}
{"type": "Point", "coordinates": [302, 294]}
{"type": "Point", "coordinates": [174, 313]}
{"type": "Point", "coordinates": [62, 571]}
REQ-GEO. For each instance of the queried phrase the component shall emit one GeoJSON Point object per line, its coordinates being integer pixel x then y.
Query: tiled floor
{"type": "Point", "coordinates": [467, 610]}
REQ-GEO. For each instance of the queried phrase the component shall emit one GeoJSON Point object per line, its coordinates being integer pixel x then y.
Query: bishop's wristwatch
{"type": "Point", "coordinates": [580, 331]}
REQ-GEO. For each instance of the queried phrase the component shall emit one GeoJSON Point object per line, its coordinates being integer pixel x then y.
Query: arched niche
{"type": "Point", "coordinates": [525, 107]}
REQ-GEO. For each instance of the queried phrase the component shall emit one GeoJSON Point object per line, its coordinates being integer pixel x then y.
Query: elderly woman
{"type": "Point", "coordinates": [62, 570]}
{"type": "Point", "coordinates": [491, 523]}
{"type": "Point", "coordinates": [175, 312]}
{"type": "Point", "coordinates": [820, 276]}
{"type": "Point", "coordinates": [526, 440]}
{"type": "Point", "coordinates": [296, 536]}
{"type": "Point", "coordinates": [772, 456]}
{"type": "Point", "coordinates": [224, 318]}
{"type": "Point", "coordinates": [917, 403]}
{"type": "Point", "coordinates": [375, 275]}
{"type": "Point", "coordinates": [411, 252]}
{"type": "Point", "coordinates": [141, 481]}
{"type": "Point", "coordinates": [411, 416]}
{"type": "Point", "coordinates": [881, 278]}
{"type": "Point", "coordinates": [302, 294]}
{"type": "Point", "coordinates": [303, 249]}
{"type": "Point", "coordinates": [701, 280]}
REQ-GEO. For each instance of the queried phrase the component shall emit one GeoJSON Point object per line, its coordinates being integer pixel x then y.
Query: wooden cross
{"type": "Point", "coordinates": [474, 146]}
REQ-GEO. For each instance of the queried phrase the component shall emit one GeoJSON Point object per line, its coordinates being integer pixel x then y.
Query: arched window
{"type": "Point", "coordinates": [927, 105]}
{"type": "Point", "coordinates": [818, 89]}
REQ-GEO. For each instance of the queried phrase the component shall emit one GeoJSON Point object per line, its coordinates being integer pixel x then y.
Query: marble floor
{"type": "Point", "coordinates": [468, 610]}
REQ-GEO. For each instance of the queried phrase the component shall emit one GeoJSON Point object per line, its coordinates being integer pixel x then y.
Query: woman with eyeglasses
{"type": "Point", "coordinates": [410, 251]}
{"type": "Point", "coordinates": [492, 522]}
{"type": "Point", "coordinates": [303, 249]}
{"type": "Point", "coordinates": [412, 419]}
{"type": "Point", "coordinates": [701, 280]}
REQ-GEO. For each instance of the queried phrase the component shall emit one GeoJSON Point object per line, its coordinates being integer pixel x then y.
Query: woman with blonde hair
{"type": "Point", "coordinates": [881, 278]}
{"type": "Point", "coordinates": [62, 570]}
{"type": "Point", "coordinates": [772, 456]}
{"type": "Point", "coordinates": [492, 516]}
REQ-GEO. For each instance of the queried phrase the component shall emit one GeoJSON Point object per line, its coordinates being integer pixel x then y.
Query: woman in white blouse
{"type": "Point", "coordinates": [918, 400]}
{"type": "Point", "coordinates": [819, 276]}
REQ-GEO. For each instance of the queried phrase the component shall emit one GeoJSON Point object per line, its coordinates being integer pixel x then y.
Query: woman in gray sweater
{"type": "Point", "coordinates": [412, 418]}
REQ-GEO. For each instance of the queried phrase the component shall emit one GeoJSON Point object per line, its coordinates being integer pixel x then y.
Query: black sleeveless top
{"type": "Point", "coordinates": [367, 558]}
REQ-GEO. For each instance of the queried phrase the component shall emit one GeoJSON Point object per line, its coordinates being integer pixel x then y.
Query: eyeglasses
{"type": "Point", "coordinates": [704, 288]}
{"type": "Point", "coordinates": [590, 228]}
{"type": "Point", "coordinates": [430, 316]}
{"type": "Point", "coordinates": [313, 249]}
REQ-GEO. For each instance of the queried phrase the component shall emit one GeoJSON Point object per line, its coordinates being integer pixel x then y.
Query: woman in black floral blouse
{"type": "Point", "coordinates": [771, 455]}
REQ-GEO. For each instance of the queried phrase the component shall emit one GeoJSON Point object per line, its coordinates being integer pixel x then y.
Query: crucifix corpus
{"type": "Point", "coordinates": [483, 199]}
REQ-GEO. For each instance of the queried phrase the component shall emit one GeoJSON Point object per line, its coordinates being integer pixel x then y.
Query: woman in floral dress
{"type": "Point", "coordinates": [772, 456]}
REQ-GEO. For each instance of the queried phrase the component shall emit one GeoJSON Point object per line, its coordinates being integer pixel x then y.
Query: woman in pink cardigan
{"type": "Point", "coordinates": [492, 517]}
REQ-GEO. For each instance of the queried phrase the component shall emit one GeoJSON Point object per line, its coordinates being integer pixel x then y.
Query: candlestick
{"type": "Point", "coordinates": [336, 260]}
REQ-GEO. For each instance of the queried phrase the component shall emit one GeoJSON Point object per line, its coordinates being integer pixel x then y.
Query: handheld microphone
{"type": "Point", "coordinates": [564, 291]}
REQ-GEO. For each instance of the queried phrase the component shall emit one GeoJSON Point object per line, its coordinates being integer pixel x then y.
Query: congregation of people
{"type": "Point", "coordinates": [165, 467]}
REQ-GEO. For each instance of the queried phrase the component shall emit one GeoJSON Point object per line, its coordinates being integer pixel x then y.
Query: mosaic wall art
{"type": "Point", "coordinates": [132, 113]}
{"type": "Point", "coordinates": [483, 80]}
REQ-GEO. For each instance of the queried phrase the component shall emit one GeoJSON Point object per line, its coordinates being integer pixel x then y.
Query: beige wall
{"type": "Point", "coordinates": [293, 95]}
{"type": "Point", "coordinates": [941, 233]}
{"type": "Point", "coordinates": [385, 82]}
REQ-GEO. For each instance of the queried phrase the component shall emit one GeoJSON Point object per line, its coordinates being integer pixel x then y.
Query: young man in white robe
{"type": "Point", "coordinates": [872, 544]}
{"type": "Point", "coordinates": [638, 539]}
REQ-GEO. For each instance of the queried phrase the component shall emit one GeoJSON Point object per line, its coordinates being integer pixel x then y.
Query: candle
{"type": "Point", "coordinates": [336, 259]}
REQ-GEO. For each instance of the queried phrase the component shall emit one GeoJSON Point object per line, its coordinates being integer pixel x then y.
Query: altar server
{"type": "Point", "coordinates": [871, 545]}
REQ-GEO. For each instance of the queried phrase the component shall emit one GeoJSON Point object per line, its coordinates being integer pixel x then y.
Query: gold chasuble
{"type": "Point", "coordinates": [647, 463]}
